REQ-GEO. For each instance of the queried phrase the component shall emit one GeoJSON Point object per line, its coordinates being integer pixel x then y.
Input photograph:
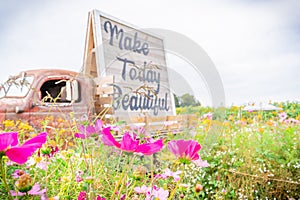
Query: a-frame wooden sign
{"type": "Point", "coordinates": [137, 61]}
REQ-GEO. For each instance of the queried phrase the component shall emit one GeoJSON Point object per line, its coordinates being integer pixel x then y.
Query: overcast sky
{"type": "Point", "coordinates": [254, 44]}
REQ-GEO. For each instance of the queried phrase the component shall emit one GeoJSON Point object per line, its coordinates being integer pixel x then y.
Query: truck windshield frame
{"type": "Point", "coordinates": [16, 86]}
{"type": "Point", "coordinates": [59, 91]}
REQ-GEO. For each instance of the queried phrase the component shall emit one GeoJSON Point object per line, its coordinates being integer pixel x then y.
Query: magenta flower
{"type": "Point", "coordinates": [35, 190]}
{"type": "Point", "coordinates": [131, 144]}
{"type": "Point", "coordinates": [19, 154]}
{"type": "Point", "coordinates": [81, 195]}
{"type": "Point", "coordinates": [185, 149]}
{"type": "Point", "coordinates": [187, 152]}
{"type": "Point", "coordinates": [87, 131]}
{"type": "Point", "coordinates": [100, 198]}
{"type": "Point", "coordinates": [123, 197]}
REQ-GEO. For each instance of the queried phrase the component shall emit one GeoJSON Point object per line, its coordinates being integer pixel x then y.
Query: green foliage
{"type": "Point", "coordinates": [186, 100]}
{"type": "Point", "coordinates": [252, 155]}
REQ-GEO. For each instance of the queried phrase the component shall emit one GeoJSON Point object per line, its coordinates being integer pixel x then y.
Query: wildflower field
{"type": "Point", "coordinates": [229, 154]}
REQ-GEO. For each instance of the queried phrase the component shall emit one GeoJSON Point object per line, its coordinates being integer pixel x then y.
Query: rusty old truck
{"type": "Point", "coordinates": [33, 95]}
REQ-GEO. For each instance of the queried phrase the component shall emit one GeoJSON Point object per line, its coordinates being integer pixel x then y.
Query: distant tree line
{"type": "Point", "coordinates": [186, 100]}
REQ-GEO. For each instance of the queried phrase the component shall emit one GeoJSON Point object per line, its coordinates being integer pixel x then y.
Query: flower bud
{"type": "Point", "coordinates": [198, 188]}
{"type": "Point", "coordinates": [24, 183]}
{"type": "Point", "coordinates": [45, 151]}
{"type": "Point", "coordinates": [139, 172]}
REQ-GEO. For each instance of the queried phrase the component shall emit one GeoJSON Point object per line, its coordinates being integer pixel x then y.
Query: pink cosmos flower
{"type": "Point", "coordinates": [291, 121]}
{"type": "Point", "coordinates": [42, 164]}
{"type": "Point", "coordinates": [81, 195]}
{"type": "Point", "coordinates": [112, 127]}
{"type": "Point", "coordinates": [87, 131]}
{"type": "Point", "coordinates": [201, 163]}
{"type": "Point", "coordinates": [282, 116]}
{"type": "Point", "coordinates": [169, 173]}
{"type": "Point", "coordinates": [123, 197]}
{"type": "Point", "coordinates": [131, 144]}
{"type": "Point", "coordinates": [160, 194]}
{"type": "Point", "coordinates": [78, 179]}
{"type": "Point", "coordinates": [100, 198]}
{"type": "Point", "coordinates": [157, 193]}
{"type": "Point", "coordinates": [35, 190]}
{"type": "Point", "coordinates": [142, 190]}
{"type": "Point", "coordinates": [19, 154]}
{"type": "Point", "coordinates": [18, 173]}
{"type": "Point", "coordinates": [79, 176]}
{"type": "Point", "coordinates": [185, 149]}
{"type": "Point", "coordinates": [208, 116]}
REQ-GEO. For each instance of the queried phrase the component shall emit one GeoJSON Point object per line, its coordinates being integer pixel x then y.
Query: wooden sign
{"type": "Point", "coordinates": [137, 61]}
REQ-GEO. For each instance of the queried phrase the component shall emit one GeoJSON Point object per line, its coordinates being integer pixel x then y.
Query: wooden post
{"type": "Point", "coordinates": [89, 63]}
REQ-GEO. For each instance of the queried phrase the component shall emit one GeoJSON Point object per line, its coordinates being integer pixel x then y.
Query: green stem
{"type": "Point", "coordinates": [3, 176]}
{"type": "Point", "coordinates": [130, 191]}
{"type": "Point", "coordinates": [123, 176]}
{"type": "Point", "coordinates": [117, 186]}
{"type": "Point", "coordinates": [84, 155]}
{"type": "Point", "coordinates": [177, 184]}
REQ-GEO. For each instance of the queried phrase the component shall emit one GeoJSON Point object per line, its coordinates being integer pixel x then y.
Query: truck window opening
{"type": "Point", "coordinates": [54, 91]}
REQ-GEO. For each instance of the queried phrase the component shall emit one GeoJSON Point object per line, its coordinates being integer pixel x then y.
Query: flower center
{"type": "Point", "coordinates": [184, 160]}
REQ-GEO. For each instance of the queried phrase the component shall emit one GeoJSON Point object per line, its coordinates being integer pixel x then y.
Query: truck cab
{"type": "Point", "coordinates": [36, 94]}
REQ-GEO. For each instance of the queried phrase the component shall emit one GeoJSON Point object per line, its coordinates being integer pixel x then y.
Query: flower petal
{"type": "Point", "coordinates": [80, 135]}
{"type": "Point", "coordinates": [20, 154]}
{"type": "Point", "coordinates": [192, 150]}
{"type": "Point", "coordinates": [128, 143]}
{"type": "Point", "coordinates": [90, 130]}
{"type": "Point", "coordinates": [81, 128]}
{"type": "Point", "coordinates": [178, 147]}
{"type": "Point", "coordinates": [98, 125]}
{"type": "Point", "coordinates": [14, 193]}
{"type": "Point", "coordinates": [201, 163]}
{"type": "Point", "coordinates": [8, 139]}
{"type": "Point", "coordinates": [185, 149]}
{"type": "Point", "coordinates": [35, 190]}
{"type": "Point", "coordinates": [150, 148]}
{"type": "Point", "coordinates": [108, 139]}
{"type": "Point", "coordinates": [37, 141]}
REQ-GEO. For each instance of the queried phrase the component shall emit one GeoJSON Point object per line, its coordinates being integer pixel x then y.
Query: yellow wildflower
{"type": "Point", "coordinates": [8, 123]}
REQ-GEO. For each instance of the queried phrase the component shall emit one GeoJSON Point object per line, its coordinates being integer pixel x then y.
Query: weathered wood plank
{"type": "Point", "coordinates": [105, 90]}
